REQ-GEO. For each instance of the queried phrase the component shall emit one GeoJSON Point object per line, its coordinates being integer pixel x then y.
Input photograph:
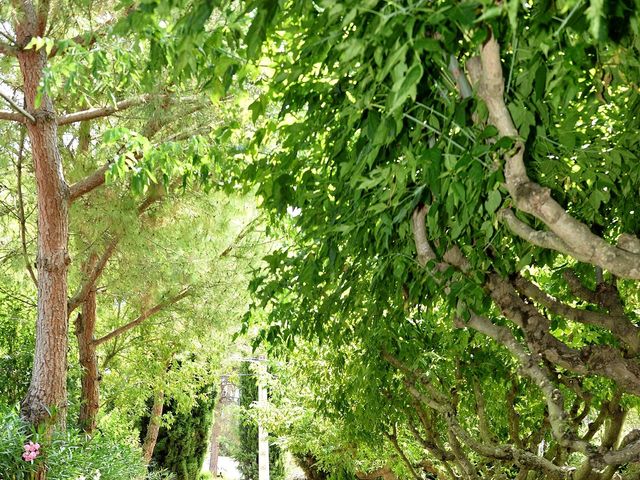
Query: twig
{"type": "Point", "coordinates": [21, 217]}
{"type": "Point", "coordinates": [17, 107]}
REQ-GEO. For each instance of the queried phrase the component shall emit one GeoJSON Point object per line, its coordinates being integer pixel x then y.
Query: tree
{"type": "Point", "coordinates": [455, 174]}
{"type": "Point", "coordinates": [53, 63]}
{"type": "Point", "coordinates": [182, 445]}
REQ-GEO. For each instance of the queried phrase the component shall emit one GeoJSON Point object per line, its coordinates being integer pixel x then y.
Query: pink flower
{"type": "Point", "coordinates": [31, 451]}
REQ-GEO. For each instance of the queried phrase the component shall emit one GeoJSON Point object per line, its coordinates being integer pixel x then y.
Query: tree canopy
{"type": "Point", "coordinates": [457, 177]}
{"type": "Point", "coordinates": [432, 207]}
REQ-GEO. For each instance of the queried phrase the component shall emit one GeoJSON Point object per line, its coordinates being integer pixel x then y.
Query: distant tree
{"type": "Point", "coordinates": [181, 446]}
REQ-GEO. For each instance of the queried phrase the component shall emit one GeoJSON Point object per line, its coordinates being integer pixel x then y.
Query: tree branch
{"type": "Point", "coordinates": [77, 299]}
{"type": "Point", "coordinates": [562, 431]}
{"type": "Point", "coordinates": [94, 113]}
{"type": "Point", "coordinates": [518, 456]}
{"type": "Point", "coordinates": [89, 183]}
{"type": "Point", "coordinates": [393, 438]}
{"type": "Point", "coordinates": [577, 288]}
{"type": "Point", "coordinates": [145, 315]}
{"type": "Point", "coordinates": [536, 237]}
{"type": "Point", "coordinates": [12, 116]}
{"type": "Point", "coordinates": [243, 233]}
{"type": "Point", "coordinates": [8, 50]}
{"type": "Point", "coordinates": [425, 252]}
{"type": "Point", "coordinates": [21, 215]}
{"type": "Point", "coordinates": [619, 325]}
{"type": "Point", "coordinates": [604, 360]}
{"type": "Point", "coordinates": [529, 196]}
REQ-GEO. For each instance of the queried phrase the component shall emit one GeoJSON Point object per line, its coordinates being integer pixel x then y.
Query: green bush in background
{"type": "Point", "coordinates": [182, 446]}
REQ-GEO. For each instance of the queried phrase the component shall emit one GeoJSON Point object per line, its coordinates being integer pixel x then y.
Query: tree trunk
{"type": "Point", "coordinates": [85, 326]}
{"type": "Point", "coordinates": [154, 427]}
{"type": "Point", "coordinates": [215, 437]}
{"type": "Point", "coordinates": [46, 399]}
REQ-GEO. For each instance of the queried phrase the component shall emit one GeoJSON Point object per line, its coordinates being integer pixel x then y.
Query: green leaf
{"type": "Point", "coordinates": [493, 201]}
{"type": "Point", "coordinates": [407, 87]}
{"type": "Point", "coordinates": [595, 15]}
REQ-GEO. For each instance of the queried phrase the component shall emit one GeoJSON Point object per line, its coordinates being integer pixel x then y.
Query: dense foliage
{"type": "Point", "coordinates": [459, 179]}
{"type": "Point", "coordinates": [452, 186]}
{"type": "Point", "coordinates": [107, 280]}
{"type": "Point", "coordinates": [68, 455]}
{"type": "Point", "coordinates": [182, 443]}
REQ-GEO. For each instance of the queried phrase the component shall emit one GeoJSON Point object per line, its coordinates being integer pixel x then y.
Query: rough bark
{"type": "Point", "coordinates": [47, 392]}
{"type": "Point", "coordinates": [85, 326]}
{"type": "Point", "coordinates": [151, 437]}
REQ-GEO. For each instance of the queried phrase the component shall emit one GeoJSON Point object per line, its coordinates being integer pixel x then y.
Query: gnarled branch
{"type": "Point", "coordinates": [529, 196]}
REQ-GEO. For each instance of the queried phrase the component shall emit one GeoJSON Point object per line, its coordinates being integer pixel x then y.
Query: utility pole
{"type": "Point", "coordinates": [263, 436]}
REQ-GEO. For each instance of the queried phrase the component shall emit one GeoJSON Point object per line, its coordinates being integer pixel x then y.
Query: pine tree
{"type": "Point", "coordinates": [181, 448]}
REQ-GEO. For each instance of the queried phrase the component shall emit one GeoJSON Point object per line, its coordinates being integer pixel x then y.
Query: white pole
{"type": "Point", "coordinates": [263, 436]}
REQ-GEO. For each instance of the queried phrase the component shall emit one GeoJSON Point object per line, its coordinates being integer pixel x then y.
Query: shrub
{"type": "Point", "coordinates": [69, 455]}
{"type": "Point", "coordinates": [181, 448]}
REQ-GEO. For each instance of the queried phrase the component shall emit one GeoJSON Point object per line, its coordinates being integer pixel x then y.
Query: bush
{"type": "Point", "coordinates": [14, 433]}
{"type": "Point", "coordinates": [181, 448]}
{"type": "Point", "coordinates": [69, 455]}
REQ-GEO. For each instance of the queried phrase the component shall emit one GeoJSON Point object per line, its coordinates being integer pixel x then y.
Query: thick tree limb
{"type": "Point", "coordinates": [142, 317]}
{"type": "Point", "coordinates": [577, 288]}
{"type": "Point", "coordinates": [425, 252]}
{"type": "Point", "coordinates": [562, 431]}
{"type": "Point", "coordinates": [529, 196]}
{"type": "Point", "coordinates": [89, 183]}
{"type": "Point", "coordinates": [11, 116]}
{"type": "Point", "coordinates": [602, 360]}
{"type": "Point", "coordinates": [94, 113]}
{"type": "Point", "coordinates": [619, 325]}
{"type": "Point", "coordinates": [518, 456]}
{"type": "Point", "coordinates": [538, 238]}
